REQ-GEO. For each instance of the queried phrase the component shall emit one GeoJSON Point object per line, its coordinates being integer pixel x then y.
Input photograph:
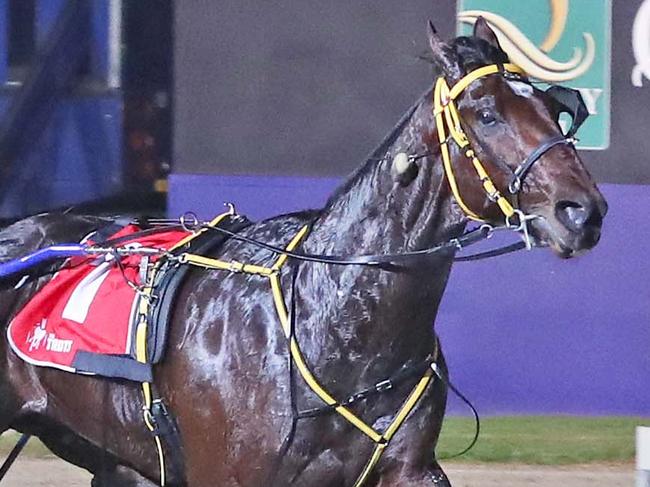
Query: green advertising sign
{"type": "Point", "coordinates": [556, 41]}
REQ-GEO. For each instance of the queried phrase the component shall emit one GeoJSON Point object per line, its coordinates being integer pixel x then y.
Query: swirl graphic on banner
{"type": "Point", "coordinates": [535, 60]}
{"type": "Point", "coordinates": [641, 44]}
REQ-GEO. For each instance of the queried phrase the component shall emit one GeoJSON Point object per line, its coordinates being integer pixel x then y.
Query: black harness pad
{"type": "Point", "coordinates": [169, 278]}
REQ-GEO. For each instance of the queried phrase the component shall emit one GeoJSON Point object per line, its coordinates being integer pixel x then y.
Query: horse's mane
{"type": "Point", "coordinates": [374, 157]}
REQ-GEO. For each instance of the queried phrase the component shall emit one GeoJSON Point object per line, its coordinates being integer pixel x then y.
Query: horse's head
{"type": "Point", "coordinates": [490, 116]}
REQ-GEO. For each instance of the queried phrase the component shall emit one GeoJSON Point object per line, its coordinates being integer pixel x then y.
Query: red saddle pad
{"type": "Point", "coordinates": [87, 306]}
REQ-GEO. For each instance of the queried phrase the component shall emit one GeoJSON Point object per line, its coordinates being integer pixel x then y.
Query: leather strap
{"type": "Point", "coordinates": [515, 181]}
{"type": "Point", "coordinates": [385, 261]}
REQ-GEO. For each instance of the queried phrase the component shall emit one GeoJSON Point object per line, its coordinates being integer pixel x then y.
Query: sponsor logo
{"type": "Point", "coordinates": [556, 41]}
{"type": "Point", "coordinates": [39, 336]}
{"type": "Point", "coordinates": [36, 336]}
{"type": "Point", "coordinates": [641, 44]}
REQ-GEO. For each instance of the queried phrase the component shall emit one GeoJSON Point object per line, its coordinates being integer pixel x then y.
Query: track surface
{"type": "Point", "coordinates": [29, 472]}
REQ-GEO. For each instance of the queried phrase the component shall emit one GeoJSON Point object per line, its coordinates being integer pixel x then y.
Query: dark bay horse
{"type": "Point", "coordinates": [226, 373]}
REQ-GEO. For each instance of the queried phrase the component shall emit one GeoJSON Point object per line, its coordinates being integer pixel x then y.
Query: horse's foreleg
{"type": "Point", "coordinates": [9, 406]}
{"type": "Point", "coordinates": [120, 476]}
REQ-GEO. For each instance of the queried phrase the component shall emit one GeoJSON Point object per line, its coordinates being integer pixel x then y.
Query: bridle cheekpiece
{"type": "Point", "coordinates": [449, 128]}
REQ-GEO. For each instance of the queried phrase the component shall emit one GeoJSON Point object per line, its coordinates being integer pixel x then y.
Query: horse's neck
{"type": "Point", "coordinates": [373, 214]}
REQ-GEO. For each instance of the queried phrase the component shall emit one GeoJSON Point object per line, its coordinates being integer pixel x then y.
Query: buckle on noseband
{"type": "Point", "coordinates": [515, 183]}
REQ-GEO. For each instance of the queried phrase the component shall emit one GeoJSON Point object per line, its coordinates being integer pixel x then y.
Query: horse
{"type": "Point", "coordinates": [228, 375]}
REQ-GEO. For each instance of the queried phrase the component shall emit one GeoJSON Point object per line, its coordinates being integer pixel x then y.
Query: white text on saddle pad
{"type": "Point", "coordinates": [54, 344]}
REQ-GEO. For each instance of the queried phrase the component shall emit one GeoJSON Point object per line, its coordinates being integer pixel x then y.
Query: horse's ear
{"type": "Point", "coordinates": [442, 54]}
{"type": "Point", "coordinates": [482, 30]}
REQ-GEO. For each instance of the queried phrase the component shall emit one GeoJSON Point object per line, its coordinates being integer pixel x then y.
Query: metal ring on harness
{"type": "Point", "coordinates": [189, 221]}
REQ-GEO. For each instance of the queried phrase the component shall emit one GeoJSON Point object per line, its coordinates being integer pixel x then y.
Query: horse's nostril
{"type": "Point", "coordinates": [576, 216]}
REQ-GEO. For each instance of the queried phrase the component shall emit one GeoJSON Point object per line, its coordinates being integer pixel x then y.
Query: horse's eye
{"type": "Point", "coordinates": [487, 116]}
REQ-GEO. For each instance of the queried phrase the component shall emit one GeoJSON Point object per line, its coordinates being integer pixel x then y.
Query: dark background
{"type": "Point", "coordinates": [303, 88]}
{"type": "Point", "coordinates": [307, 88]}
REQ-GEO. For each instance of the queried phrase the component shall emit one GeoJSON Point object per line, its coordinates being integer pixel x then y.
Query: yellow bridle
{"type": "Point", "coordinates": [449, 127]}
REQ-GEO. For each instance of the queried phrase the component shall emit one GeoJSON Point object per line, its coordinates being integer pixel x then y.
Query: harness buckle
{"type": "Point", "coordinates": [159, 405]}
{"type": "Point", "coordinates": [384, 385]}
{"type": "Point", "coordinates": [150, 420]}
{"type": "Point", "coordinates": [454, 242]}
{"type": "Point", "coordinates": [521, 226]}
{"type": "Point", "coordinates": [494, 197]}
{"type": "Point", "coordinates": [436, 370]}
{"type": "Point", "coordinates": [515, 184]}
{"type": "Point", "coordinates": [143, 270]}
{"type": "Point", "coordinates": [509, 75]}
{"type": "Point", "coordinates": [515, 226]}
{"type": "Point", "coordinates": [488, 229]}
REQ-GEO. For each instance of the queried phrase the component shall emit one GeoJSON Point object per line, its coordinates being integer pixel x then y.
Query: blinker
{"type": "Point", "coordinates": [569, 101]}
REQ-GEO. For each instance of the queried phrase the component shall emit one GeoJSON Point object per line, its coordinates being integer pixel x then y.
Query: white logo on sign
{"type": "Point", "coordinates": [536, 60]}
{"type": "Point", "coordinates": [641, 44]}
{"type": "Point", "coordinates": [37, 335]}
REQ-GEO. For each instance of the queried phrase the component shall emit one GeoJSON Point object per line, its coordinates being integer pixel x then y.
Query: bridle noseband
{"type": "Point", "coordinates": [448, 126]}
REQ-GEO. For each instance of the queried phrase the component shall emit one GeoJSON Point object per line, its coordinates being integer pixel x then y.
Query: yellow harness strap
{"type": "Point", "coordinates": [144, 305]}
{"type": "Point", "coordinates": [141, 356]}
{"type": "Point", "coordinates": [408, 406]}
{"type": "Point", "coordinates": [381, 440]}
{"type": "Point", "coordinates": [449, 127]}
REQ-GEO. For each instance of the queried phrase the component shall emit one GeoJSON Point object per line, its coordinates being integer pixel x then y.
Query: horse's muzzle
{"type": "Point", "coordinates": [582, 221]}
{"type": "Point", "coordinates": [570, 226]}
